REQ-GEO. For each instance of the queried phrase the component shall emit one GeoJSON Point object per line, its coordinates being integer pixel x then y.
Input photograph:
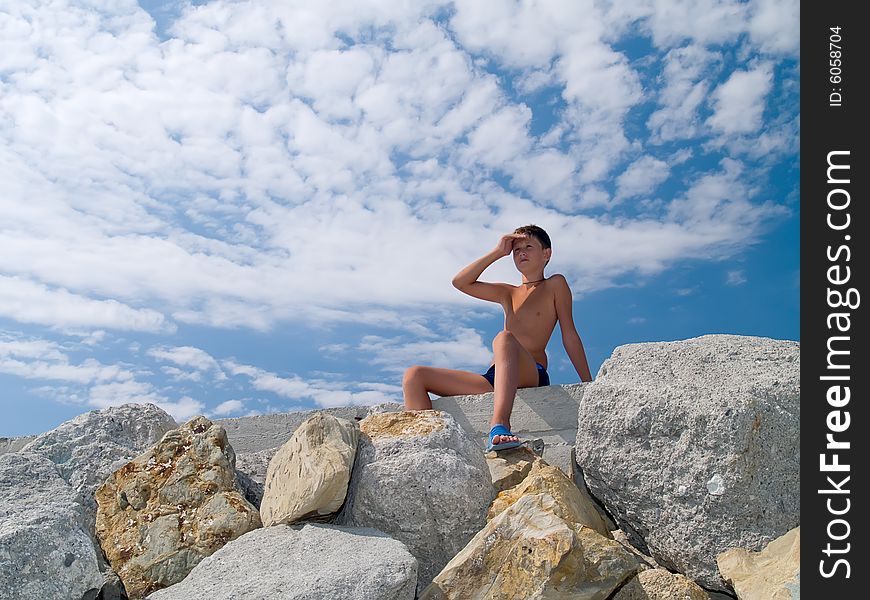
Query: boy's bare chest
{"type": "Point", "coordinates": [531, 306]}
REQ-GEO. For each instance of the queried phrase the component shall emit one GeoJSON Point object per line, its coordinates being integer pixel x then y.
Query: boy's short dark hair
{"type": "Point", "coordinates": [537, 233]}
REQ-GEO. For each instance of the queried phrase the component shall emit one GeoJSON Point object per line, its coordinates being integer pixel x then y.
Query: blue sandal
{"type": "Point", "coordinates": [501, 430]}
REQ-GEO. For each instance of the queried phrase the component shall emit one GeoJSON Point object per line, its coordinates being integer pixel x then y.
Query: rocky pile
{"type": "Point", "coordinates": [690, 447]}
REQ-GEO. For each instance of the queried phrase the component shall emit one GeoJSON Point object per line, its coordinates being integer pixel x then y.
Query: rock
{"type": "Point", "coordinates": [172, 506]}
{"type": "Point", "coordinates": [421, 479]}
{"type": "Point", "coordinates": [89, 447]}
{"type": "Point", "coordinates": [251, 470]}
{"type": "Point", "coordinates": [772, 574]}
{"type": "Point", "coordinates": [693, 446]}
{"type": "Point", "coordinates": [509, 467]}
{"type": "Point", "coordinates": [46, 551]}
{"type": "Point", "coordinates": [647, 562]}
{"type": "Point", "coordinates": [660, 584]}
{"type": "Point", "coordinates": [14, 444]}
{"type": "Point", "coordinates": [289, 563]}
{"type": "Point", "coordinates": [570, 503]}
{"type": "Point", "coordinates": [309, 475]}
{"type": "Point", "coordinates": [528, 552]}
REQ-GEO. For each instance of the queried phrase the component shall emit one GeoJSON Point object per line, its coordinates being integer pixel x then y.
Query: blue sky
{"type": "Point", "coordinates": [232, 208]}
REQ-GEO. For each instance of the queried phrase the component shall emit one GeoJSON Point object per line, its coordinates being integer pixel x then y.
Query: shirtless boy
{"type": "Point", "coordinates": [531, 311]}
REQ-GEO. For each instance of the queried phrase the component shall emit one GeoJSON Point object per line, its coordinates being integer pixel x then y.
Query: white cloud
{"type": "Point", "coordinates": [325, 394]}
{"type": "Point", "coordinates": [685, 89]}
{"type": "Point", "coordinates": [775, 26]}
{"type": "Point", "coordinates": [186, 356]}
{"type": "Point", "coordinates": [42, 359]}
{"type": "Point", "coordinates": [255, 168]}
{"type": "Point", "coordinates": [467, 349]}
{"type": "Point", "coordinates": [641, 177]}
{"type": "Point", "coordinates": [227, 408]}
{"type": "Point", "coordinates": [672, 22]}
{"type": "Point", "coordinates": [739, 102]}
{"type": "Point", "coordinates": [27, 301]}
{"type": "Point", "coordinates": [736, 277]}
{"type": "Point", "coordinates": [183, 409]}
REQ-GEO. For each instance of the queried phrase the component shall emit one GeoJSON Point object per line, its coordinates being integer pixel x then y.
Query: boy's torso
{"type": "Point", "coordinates": [530, 314]}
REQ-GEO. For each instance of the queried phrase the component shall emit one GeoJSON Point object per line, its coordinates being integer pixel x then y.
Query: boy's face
{"type": "Point", "coordinates": [529, 254]}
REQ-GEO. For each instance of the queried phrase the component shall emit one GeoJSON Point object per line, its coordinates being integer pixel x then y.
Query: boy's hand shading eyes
{"type": "Point", "coordinates": [506, 243]}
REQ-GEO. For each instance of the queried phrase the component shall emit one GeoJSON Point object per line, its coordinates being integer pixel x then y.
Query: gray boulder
{"type": "Point", "coordinates": [45, 549]}
{"type": "Point", "coordinates": [251, 468]}
{"type": "Point", "coordinates": [421, 479]}
{"type": "Point", "coordinates": [88, 448]}
{"type": "Point", "coordinates": [289, 563]}
{"type": "Point", "coordinates": [693, 446]}
{"type": "Point", "coordinates": [14, 444]}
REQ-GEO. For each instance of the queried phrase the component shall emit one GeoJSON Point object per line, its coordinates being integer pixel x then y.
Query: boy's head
{"type": "Point", "coordinates": [535, 232]}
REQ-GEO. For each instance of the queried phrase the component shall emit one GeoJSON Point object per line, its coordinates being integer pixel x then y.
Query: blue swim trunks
{"type": "Point", "coordinates": [543, 378]}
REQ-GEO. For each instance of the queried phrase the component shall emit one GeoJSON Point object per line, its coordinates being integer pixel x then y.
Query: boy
{"type": "Point", "coordinates": [531, 310]}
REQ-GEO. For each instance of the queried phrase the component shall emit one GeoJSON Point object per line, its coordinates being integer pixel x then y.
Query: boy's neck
{"type": "Point", "coordinates": [531, 279]}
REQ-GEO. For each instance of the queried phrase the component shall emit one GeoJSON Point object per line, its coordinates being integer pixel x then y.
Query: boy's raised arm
{"type": "Point", "coordinates": [466, 280]}
{"type": "Point", "coordinates": [570, 337]}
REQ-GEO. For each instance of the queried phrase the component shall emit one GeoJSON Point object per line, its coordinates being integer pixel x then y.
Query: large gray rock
{"type": "Point", "coordinates": [14, 444]}
{"type": "Point", "coordinates": [45, 549]}
{"type": "Point", "coordinates": [421, 479]}
{"type": "Point", "coordinates": [251, 469]}
{"type": "Point", "coordinates": [288, 563]}
{"type": "Point", "coordinates": [89, 447]}
{"type": "Point", "coordinates": [693, 446]}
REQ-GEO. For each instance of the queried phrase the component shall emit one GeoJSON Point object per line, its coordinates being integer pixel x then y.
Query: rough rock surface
{"type": "Point", "coordinates": [693, 446]}
{"type": "Point", "coordinates": [572, 506]}
{"type": "Point", "coordinates": [509, 467]}
{"type": "Point", "coordinates": [421, 479]}
{"type": "Point", "coordinates": [251, 468]}
{"type": "Point", "coordinates": [14, 444]}
{"type": "Point", "coordinates": [309, 475]}
{"type": "Point", "coordinates": [647, 562]}
{"type": "Point", "coordinates": [772, 574]}
{"type": "Point", "coordinates": [45, 549]}
{"type": "Point", "coordinates": [172, 506]}
{"type": "Point", "coordinates": [660, 584]}
{"type": "Point", "coordinates": [528, 552]}
{"type": "Point", "coordinates": [288, 563]}
{"type": "Point", "coordinates": [89, 447]}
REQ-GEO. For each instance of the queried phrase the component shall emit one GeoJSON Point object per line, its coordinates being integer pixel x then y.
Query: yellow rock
{"type": "Point", "coordinates": [159, 515]}
{"type": "Point", "coordinates": [527, 552]}
{"type": "Point", "coordinates": [402, 424]}
{"type": "Point", "coordinates": [772, 574]}
{"type": "Point", "coordinates": [572, 506]}
{"type": "Point", "coordinates": [509, 467]}
{"type": "Point", "coordinates": [308, 476]}
{"type": "Point", "coordinates": [661, 584]}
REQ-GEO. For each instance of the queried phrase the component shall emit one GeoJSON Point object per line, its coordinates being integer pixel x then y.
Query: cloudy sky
{"type": "Point", "coordinates": [239, 207]}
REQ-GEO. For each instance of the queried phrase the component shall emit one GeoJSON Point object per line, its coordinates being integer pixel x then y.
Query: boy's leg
{"type": "Point", "coordinates": [514, 367]}
{"type": "Point", "coordinates": [419, 381]}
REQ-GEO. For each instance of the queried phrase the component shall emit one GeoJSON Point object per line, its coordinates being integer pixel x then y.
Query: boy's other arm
{"type": "Point", "coordinates": [466, 280]}
{"type": "Point", "coordinates": [570, 337]}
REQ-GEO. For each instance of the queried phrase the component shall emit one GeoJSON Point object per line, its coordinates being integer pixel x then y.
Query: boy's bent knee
{"type": "Point", "coordinates": [504, 337]}
{"type": "Point", "coordinates": [414, 373]}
